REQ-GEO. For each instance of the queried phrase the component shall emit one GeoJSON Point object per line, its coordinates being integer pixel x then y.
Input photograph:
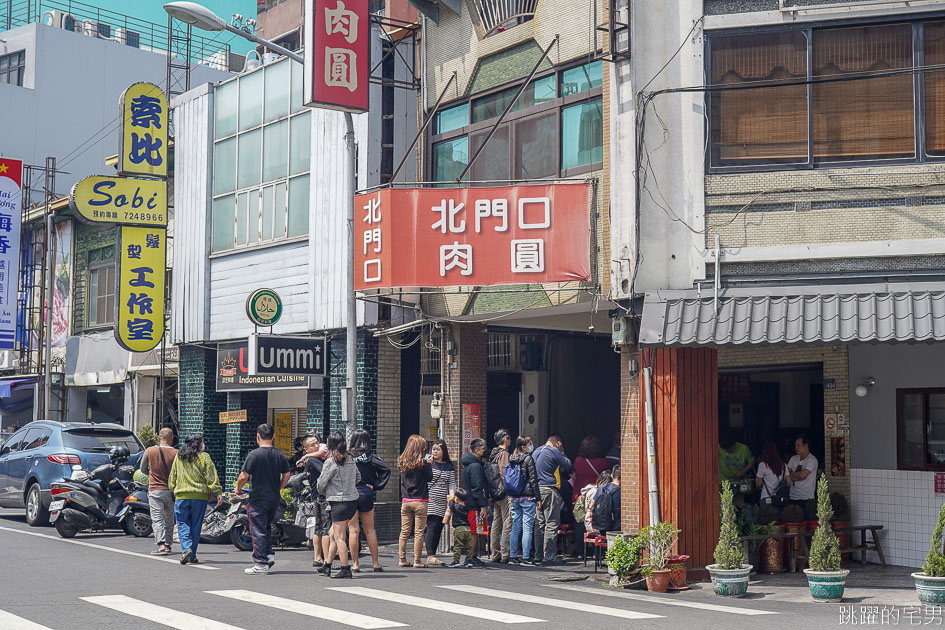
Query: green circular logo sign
{"type": "Point", "coordinates": [264, 308]}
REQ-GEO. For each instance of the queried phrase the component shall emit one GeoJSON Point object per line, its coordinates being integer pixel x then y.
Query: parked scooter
{"type": "Point", "coordinates": [96, 501]}
{"type": "Point", "coordinates": [284, 531]}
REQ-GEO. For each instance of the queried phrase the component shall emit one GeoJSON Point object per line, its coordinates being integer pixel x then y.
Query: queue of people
{"type": "Point", "coordinates": [525, 492]}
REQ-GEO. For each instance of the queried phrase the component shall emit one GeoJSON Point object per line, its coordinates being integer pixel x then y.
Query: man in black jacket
{"type": "Point", "coordinates": [475, 483]}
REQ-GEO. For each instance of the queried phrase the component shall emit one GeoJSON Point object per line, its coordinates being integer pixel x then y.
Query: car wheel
{"type": "Point", "coordinates": [36, 514]}
{"type": "Point", "coordinates": [65, 529]}
{"type": "Point", "coordinates": [240, 535]}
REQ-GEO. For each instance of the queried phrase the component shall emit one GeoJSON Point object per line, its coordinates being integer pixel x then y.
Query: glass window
{"type": "Point", "coordinates": [582, 78]}
{"type": "Point", "coordinates": [276, 151]}
{"type": "Point", "coordinates": [298, 206]}
{"type": "Point", "coordinates": [868, 118]}
{"type": "Point", "coordinates": [536, 146]}
{"type": "Point", "coordinates": [934, 49]}
{"type": "Point", "coordinates": [248, 168]}
{"type": "Point", "coordinates": [280, 209]}
{"type": "Point", "coordinates": [758, 125]}
{"type": "Point", "coordinates": [251, 94]}
{"type": "Point", "coordinates": [36, 438]}
{"type": "Point", "coordinates": [450, 158]}
{"type": "Point", "coordinates": [582, 135]}
{"type": "Point", "coordinates": [300, 143]}
{"type": "Point", "coordinates": [224, 166]}
{"type": "Point", "coordinates": [539, 91]}
{"type": "Point", "coordinates": [12, 68]}
{"type": "Point", "coordinates": [224, 228]}
{"type": "Point", "coordinates": [225, 103]}
{"type": "Point", "coordinates": [100, 440]}
{"type": "Point", "coordinates": [246, 228]}
{"type": "Point", "coordinates": [921, 427]}
{"type": "Point", "coordinates": [277, 90]}
{"type": "Point", "coordinates": [493, 163]}
{"type": "Point", "coordinates": [101, 295]}
{"type": "Point", "coordinates": [267, 213]}
{"type": "Point", "coordinates": [297, 87]}
{"type": "Point", "coordinates": [451, 119]}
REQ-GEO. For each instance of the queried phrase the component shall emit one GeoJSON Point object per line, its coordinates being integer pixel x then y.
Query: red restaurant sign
{"type": "Point", "coordinates": [337, 54]}
{"type": "Point", "coordinates": [440, 237]}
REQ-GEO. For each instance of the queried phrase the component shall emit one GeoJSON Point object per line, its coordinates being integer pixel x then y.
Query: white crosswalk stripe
{"type": "Point", "coordinates": [432, 604]}
{"type": "Point", "coordinates": [158, 614]}
{"type": "Point", "coordinates": [311, 610]}
{"type": "Point", "coordinates": [663, 601]}
{"type": "Point", "coordinates": [9, 621]}
{"type": "Point", "coordinates": [548, 601]}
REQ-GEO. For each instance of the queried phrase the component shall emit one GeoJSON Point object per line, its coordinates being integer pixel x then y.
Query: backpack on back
{"type": "Point", "coordinates": [602, 514]}
{"type": "Point", "coordinates": [514, 480]}
{"type": "Point", "coordinates": [580, 508]}
{"type": "Point", "coordinates": [494, 478]}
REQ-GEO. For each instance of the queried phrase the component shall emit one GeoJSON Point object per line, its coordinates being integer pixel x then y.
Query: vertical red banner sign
{"type": "Point", "coordinates": [337, 54]}
{"type": "Point", "coordinates": [471, 424]}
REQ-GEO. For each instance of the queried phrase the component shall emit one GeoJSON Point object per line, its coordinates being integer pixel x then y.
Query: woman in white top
{"type": "Point", "coordinates": [771, 472]}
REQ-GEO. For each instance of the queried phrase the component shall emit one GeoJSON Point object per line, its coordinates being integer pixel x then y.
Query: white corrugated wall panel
{"type": "Point", "coordinates": [284, 269]}
{"type": "Point", "coordinates": [192, 173]}
{"type": "Point", "coordinates": [327, 231]}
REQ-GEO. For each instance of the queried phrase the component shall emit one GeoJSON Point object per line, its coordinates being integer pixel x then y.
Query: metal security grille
{"type": "Point", "coordinates": [497, 15]}
{"type": "Point", "coordinates": [501, 354]}
{"type": "Point", "coordinates": [430, 353]}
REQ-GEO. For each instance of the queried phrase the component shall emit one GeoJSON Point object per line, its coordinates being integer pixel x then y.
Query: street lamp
{"type": "Point", "coordinates": [203, 18]}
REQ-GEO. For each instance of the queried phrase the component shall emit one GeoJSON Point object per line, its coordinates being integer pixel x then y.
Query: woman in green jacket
{"type": "Point", "coordinates": [193, 480]}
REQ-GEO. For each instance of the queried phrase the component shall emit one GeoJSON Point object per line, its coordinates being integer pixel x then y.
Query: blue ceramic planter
{"type": "Point", "coordinates": [729, 582]}
{"type": "Point", "coordinates": [931, 590]}
{"type": "Point", "coordinates": [827, 586]}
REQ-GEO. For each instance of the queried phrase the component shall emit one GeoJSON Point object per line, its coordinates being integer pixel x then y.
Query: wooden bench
{"type": "Point", "coordinates": [803, 553]}
{"type": "Point", "coordinates": [865, 545]}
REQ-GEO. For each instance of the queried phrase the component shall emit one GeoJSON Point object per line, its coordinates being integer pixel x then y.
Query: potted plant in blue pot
{"type": "Point", "coordinates": [930, 582]}
{"type": "Point", "coordinates": [825, 577]}
{"type": "Point", "coordinates": [730, 572]}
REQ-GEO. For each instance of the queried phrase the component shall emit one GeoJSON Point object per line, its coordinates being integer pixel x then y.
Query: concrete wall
{"type": "Point", "coordinates": [873, 417]}
{"type": "Point", "coordinates": [71, 91]}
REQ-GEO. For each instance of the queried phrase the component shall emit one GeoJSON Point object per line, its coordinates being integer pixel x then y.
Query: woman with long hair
{"type": "Point", "coordinates": [772, 473]}
{"type": "Point", "coordinates": [441, 489]}
{"type": "Point", "coordinates": [193, 480]}
{"type": "Point", "coordinates": [415, 478]}
{"type": "Point", "coordinates": [374, 475]}
{"type": "Point", "coordinates": [338, 482]}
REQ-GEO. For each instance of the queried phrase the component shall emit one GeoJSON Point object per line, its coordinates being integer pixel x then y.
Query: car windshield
{"type": "Point", "coordinates": [99, 441]}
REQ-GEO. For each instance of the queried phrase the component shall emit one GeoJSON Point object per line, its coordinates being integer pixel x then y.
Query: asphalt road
{"type": "Point", "coordinates": [110, 581]}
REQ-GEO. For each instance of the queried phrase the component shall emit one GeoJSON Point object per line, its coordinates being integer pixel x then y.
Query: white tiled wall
{"type": "Point", "coordinates": [905, 503]}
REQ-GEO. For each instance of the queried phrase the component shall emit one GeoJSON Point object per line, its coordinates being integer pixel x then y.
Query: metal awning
{"type": "Point", "coordinates": [9, 385]}
{"type": "Point", "coordinates": [95, 359]}
{"type": "Point", "coordinates": [912, 311]}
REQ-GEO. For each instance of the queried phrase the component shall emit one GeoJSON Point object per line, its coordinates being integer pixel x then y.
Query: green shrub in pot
{"type": "Point", "coordinates": [623, 557]}
{"type": "Point", "coordinates": [730, 572]}
{"type": "Point", "coordinates": [930, 582]}
{"type": "Point", "coordinates": [825, 577]}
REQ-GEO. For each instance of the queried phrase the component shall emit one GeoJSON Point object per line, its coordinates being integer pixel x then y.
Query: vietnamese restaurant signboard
{"type": "Point", "coordinates": [441, 237]}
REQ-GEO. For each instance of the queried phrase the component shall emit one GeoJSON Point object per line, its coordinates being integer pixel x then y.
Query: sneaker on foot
{"type": "Point", "coordinates": [343, 573]}
{"type": "Point", "coordinates": [457, 565]}
{"type": "Point", "coordinates": [270, 560]}
{"type": "Point", "coordinates": [527, 562]}
{"type": "Point", "coordinates": [476, 562]}
{"type": "Point", "coordinates": [257, 569]}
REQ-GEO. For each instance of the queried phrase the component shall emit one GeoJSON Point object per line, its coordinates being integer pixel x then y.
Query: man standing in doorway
{"type": "Point", "coordinates": [501, 508]}
{"type": "Point", "coordinates": [267, 471]}
{"type": "Point", "coordinates": [156, 464]}
{"type": "Point", "coordinates": [553, 468]}
{"type": "Point", "coordinates": [803, 469]}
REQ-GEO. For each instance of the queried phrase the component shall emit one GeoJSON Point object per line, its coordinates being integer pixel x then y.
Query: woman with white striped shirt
{"type": "Point", "coordinates": [441, 489]}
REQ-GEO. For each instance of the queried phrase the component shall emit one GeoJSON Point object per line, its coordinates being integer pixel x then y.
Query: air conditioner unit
{"type": "Point", "coordinates": [8, 360]}
{"type": "Point", "coordinates": [70, 23]}
{"type": "Point", "coordinates": [128, 37]}
{"type": "Point", "coordinates": [60, 19]}
{"type": "Point", "coordinates": [96, 29]}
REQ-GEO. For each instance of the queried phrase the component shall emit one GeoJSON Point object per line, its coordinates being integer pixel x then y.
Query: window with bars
{"type": "Point", "coordinates": [13, 68]}
{"type": "Point", "coordinates": [101, 295]}
{"type": "Point", "coordinates": [501, 351]}
{"type": "Point", "coordinates": [430, 353]}
{"type": "Point", "coordinates": [261, 158]}
{"type": "Point", "coordinates": [554, 129]}
{"type": "Point", "coordinates": [825, 96]}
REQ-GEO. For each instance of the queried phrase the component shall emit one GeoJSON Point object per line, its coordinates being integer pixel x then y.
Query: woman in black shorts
{"type": "Point", "coordinates": [374, 476]}
{"type": "Point", "coordinates": [338, 482]}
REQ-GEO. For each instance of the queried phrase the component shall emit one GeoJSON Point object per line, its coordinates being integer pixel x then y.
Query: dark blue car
{"type": "Point", "coordinates": [45, 451]}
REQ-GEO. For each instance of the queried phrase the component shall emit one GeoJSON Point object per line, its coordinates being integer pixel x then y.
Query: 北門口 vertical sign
{"type": "Point", "coordinates": [139, 291]}
{"type": "Point", "coordinates": [143, 149]}
{"type": "Point", "coordinates": [337, 54]}
{"type": "Point", "coordinates": [11, 173]}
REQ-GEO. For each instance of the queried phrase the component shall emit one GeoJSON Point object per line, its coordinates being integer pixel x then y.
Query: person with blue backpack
{"type": "Point", "coordinates": [521, 484]}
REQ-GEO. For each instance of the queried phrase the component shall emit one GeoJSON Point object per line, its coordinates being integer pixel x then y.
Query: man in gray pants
{"type": "Point", "coordinates": [156, 463]}
{"type": "Point", "coordinates": [553, 468]}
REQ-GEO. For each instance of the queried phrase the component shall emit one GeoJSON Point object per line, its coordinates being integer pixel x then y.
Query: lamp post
{"type": "Point", "coordinates": [203, 18]}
